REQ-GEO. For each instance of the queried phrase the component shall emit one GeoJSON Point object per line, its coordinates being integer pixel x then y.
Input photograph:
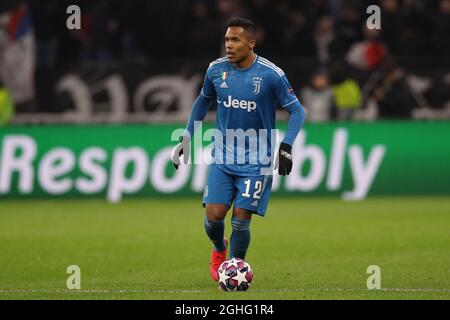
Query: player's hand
{"type": "Point", "coordinates": [284, 159]}
{"type": "Point", "coordinates": [182, 148]}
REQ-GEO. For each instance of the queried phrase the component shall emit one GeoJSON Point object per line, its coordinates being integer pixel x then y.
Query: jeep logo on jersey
{"type": "Point", "coordinates": [243, 104]}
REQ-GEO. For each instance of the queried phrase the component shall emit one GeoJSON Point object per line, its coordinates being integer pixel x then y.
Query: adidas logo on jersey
{"type": "Point", "coordinates": [243, 104]}
{"type": "Point", "coordinates": [224, 85]}
{"type": "Point", "coordinates": [255, 203]}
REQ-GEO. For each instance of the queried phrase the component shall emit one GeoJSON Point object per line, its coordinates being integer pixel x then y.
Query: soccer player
{"type": "Point", "coordinates": [247, 88]}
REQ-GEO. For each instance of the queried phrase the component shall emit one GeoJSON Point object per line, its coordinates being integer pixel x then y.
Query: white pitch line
{"type": "Point", "coordinates": [205, 291]}
{"type": "Point", "coordinates": [101, 291]}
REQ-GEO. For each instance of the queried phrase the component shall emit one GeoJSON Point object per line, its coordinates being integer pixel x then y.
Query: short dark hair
{"type": "Point", "coordinates": [247, 24]}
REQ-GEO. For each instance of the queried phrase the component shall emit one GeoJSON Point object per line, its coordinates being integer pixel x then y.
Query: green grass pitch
{"type": "Point", "coordinates": [305, 248]}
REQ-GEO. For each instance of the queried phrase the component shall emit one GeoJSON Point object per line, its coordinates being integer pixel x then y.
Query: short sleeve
{"type": "Point", "coordinates": [284, 93]}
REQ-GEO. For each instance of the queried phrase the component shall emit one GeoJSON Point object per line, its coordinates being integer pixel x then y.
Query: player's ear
{"type": "Point", "coordinates": [252, 44]}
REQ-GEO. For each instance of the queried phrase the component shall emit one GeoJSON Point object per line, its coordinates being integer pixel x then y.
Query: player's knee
{"type": "Point", "coordinates": [216, 212]}
{"type": "Point", "coordinates": [240, 224]}
{"type": "Point", "coordinates": [241, 213]}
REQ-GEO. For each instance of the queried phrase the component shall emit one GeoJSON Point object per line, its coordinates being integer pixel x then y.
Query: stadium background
{"type": "Point", "coordinates": [86, 118]}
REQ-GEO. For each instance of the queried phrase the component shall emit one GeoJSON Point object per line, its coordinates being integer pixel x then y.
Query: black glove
{"type": "Point", "coordinates": [182, 148]}
{"type": "Point", "coordinates": [284, 159]}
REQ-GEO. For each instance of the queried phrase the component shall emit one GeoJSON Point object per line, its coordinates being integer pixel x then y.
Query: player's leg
{"type": "Point", "coordinates": [214, 224]}
{"type": "Point", "coordinates": [217, 199]}
{"type": "Point", "coordinates": [252, 197]}
{"type": "Point", "coordinates": [240, 236]}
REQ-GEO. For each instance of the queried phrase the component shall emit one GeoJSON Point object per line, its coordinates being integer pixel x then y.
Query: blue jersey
{"type": "Point", "coordinates": [246, 106]}
{"type": "Point", "coordinates": [247, 99]}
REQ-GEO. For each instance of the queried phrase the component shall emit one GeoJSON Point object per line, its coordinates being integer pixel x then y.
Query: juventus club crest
{"type": "Point", "coordinates": [256, 84]}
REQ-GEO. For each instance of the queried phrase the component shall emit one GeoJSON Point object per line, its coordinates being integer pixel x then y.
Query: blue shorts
{"type": "Point", "coordinates": [250, 193]}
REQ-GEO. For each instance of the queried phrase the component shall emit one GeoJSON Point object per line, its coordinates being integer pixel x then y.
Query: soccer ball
{"type": "Point", "coordinates": [235, 275]}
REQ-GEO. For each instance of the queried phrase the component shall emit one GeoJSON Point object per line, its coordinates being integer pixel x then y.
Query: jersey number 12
{"type": "Point", "coordinates": [258, 189]}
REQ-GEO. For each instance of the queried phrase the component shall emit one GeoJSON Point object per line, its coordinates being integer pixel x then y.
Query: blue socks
{"type": "Point", "coordinates": [240, 237]}
{"type": "Point", "coordinates": [215, 230]}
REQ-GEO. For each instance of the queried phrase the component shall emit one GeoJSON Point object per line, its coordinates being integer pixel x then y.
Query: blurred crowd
{"type": "Point", "coordinates": [145, 29]}
{"type": "Point", "coordinates": [355, 65]}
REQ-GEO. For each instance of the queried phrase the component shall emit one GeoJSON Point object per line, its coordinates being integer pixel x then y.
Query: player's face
{"type": "Point", "coordinates": [238, 44]}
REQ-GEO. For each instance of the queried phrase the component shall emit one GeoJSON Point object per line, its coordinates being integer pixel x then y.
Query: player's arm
{"type": "Point", "coordinates": [198, 113]}
{"type": "Point", "coordinates": [288, 101]}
